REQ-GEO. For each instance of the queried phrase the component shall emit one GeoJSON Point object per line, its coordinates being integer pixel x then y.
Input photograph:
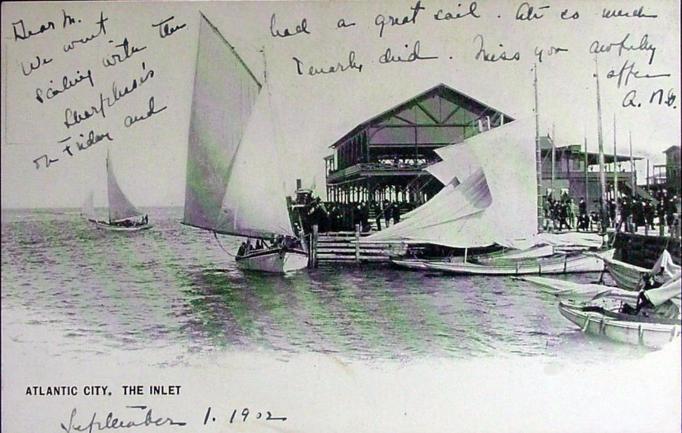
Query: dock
{"type": "Point", "coordinates": [350, 247]}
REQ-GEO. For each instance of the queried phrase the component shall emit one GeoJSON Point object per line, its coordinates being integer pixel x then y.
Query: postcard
{"type": "Point", "coordinates": [344, 216]}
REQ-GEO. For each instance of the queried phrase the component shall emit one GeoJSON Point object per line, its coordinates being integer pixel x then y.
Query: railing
{"type": "Point", "coordinates": [376, 166]}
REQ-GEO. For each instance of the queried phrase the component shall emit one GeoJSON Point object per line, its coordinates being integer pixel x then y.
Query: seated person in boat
{"type": "Point", "coordinates": [642, 303]}
{"type": "Point", "coordinates": [644, 307]}
{"type": "Point", "coordinates": [242, 249]}
{"type": "Point", "coordinates": [248, 247]}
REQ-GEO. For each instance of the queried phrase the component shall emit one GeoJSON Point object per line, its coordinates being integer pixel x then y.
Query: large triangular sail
{"type": "Point", "coordinates": [495, 201]}
{"type": "Point", "coordinates": [231, 164]}
{"type": "Point", "coordinates": [120, 208]}
{"type": "Point", "coordinates": [225, 92]}
{"type": "Point", "coordinates": [255, 198]}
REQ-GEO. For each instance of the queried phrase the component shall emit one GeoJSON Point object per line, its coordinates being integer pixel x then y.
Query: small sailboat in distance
{"type": "Point", "coordinates": [123, 216]}
{"type": "Point", "coordinates": [233, 183]}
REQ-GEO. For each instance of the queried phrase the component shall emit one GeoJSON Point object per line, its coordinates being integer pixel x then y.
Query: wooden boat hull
{"type": "Point", "coordinates": [625, 275]}
{"type": "Point", "coordinates": [412, 264]}
{"type": "Point", "coordinates": [563, 265]}
{"type": "Point", "coordinates": [649, 333]}
{"type": "Point", "coordinates": [114, 228]}
{"type": "Point", "coordinates": [578, 291]}
{"type": "Point", "coordinates": [275, 261]}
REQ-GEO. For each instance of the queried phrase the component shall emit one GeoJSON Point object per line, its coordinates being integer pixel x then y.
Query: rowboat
{"type": "Point", "coordinates": [629, 277]}
{"type": "Point", "coordinates": [559, 264]}
{"type": "Point", "coordinates": [579, 292]}
{"type": "Point", "coordinates": [412, 264]}
{"type": "Point", "coordinates": [625, 275]}
{"type": "Point", "coordinates": [624, 328]}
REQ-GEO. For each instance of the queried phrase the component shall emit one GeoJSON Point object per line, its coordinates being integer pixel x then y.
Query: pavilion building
{"type": "Point", "coordinates": [384, 157]}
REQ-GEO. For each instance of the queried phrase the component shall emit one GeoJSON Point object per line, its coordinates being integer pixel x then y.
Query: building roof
{"type": "Point", "coordinates": [438, 89]}
{"type": "Point", "coordinates": [576, 149]}
{"type": "Point", "coordinates": [672, 148]}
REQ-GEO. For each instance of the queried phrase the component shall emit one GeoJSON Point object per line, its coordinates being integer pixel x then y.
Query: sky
{"type": "Point", "coordinates": [312, 112]}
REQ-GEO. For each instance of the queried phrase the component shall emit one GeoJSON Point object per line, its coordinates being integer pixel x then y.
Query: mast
{"type": "Point", "coordinates": [633, 173]}
{"type": "Point", "coordinates": [615, 169]}
{"type": "Point", "coordinates": [600, 141]}
{"type": "Point", "coordinates": [538, 154]}
{"type": "Point", "coordinates": [587, 181]}
{"type": "Point", "coordinates": [553, 159]}
{"type": "Point", "coordinates": [108, 184]}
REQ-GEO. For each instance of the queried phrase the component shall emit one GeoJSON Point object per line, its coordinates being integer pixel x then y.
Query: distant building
{"type": "Point", "coordinates": [672, 169]}
{"type": "Point", "coordinates": [385, 156]}
{"type": "Point", "coordinates": [573, 170]}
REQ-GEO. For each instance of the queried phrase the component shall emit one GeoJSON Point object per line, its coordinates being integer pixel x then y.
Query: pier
{"type": "Point", "coordinates": [349, 247]}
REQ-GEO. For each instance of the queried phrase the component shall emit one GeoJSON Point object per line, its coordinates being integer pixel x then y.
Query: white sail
{"type": "Point", "coordinates": [225, 92]}
{"type": "Point", "coordinates": [255, 199]}
{"type": "Point", "coordinates": [120, 207]}
{"type": "Point", "coordinates": [452, 206]}
{"type": "Point", "coordinates": [88, 209]}
{"type": "Point", "coordinates": [506, 156]}
{"type": "Point", "coordinates": [669, 291]}
{"type": "Point", "coordinates": [570, 239]}
{"type": "Point", "coordinates": [458, 162]}
{"type": "Point", "coordinates": [233, 182]}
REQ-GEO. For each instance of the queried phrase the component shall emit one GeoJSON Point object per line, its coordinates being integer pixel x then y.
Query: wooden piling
{"type": "Point", "coordinates": [357, 243]}
{"type": "Point", "coordinates": [312, 250]}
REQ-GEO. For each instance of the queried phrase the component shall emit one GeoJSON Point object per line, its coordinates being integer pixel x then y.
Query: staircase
{"type": "Point", "coordinates": [349, 247]}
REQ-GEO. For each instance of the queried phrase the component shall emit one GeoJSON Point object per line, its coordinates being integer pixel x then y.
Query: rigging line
{"type": "Point", "coordinates": [215, 235]}
{"type": "Point", "coordinates": [234, 51]}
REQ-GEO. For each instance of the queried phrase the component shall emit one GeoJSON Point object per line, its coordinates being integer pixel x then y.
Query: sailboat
{"type": "Point", "coordinates": [233, 186]}
{"type": "Point", "coordinates": [123, 216]}
{"type": "Point", "coordinates": [485, 203]}
{"type": "Point", "coordinates": [492, 197]}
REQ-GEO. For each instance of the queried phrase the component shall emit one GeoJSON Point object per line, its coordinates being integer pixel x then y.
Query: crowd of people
{"type": "Point", "coordinates": [629, 215]}
{"type": "Point", "coordinates": [333, 217]}
{"type": "Point", "coordinates": [559, 214]}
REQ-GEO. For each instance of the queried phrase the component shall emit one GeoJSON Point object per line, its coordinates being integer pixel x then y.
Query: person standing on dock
{"type": "Point", "coordinates": [612, 212]}
{"type": "Point", "coordinates": [583, 220]}
{"type": "Point", "coordinates": [387, 213]}
{"type": "Point", "coordinates": [377, 214]}
{"type": "Point", "coordinates": [670, 211]}
{"type": "Point", "coordinates": [572, 212]}
{"type": "Point", "coordinates": [649, 214]}
{"type": "Point", "coordinates": [364, 217]}
{"type": "Point", "coordinates": [660, 211]}
{"type": "Point", "coordinates": [625, 209]}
